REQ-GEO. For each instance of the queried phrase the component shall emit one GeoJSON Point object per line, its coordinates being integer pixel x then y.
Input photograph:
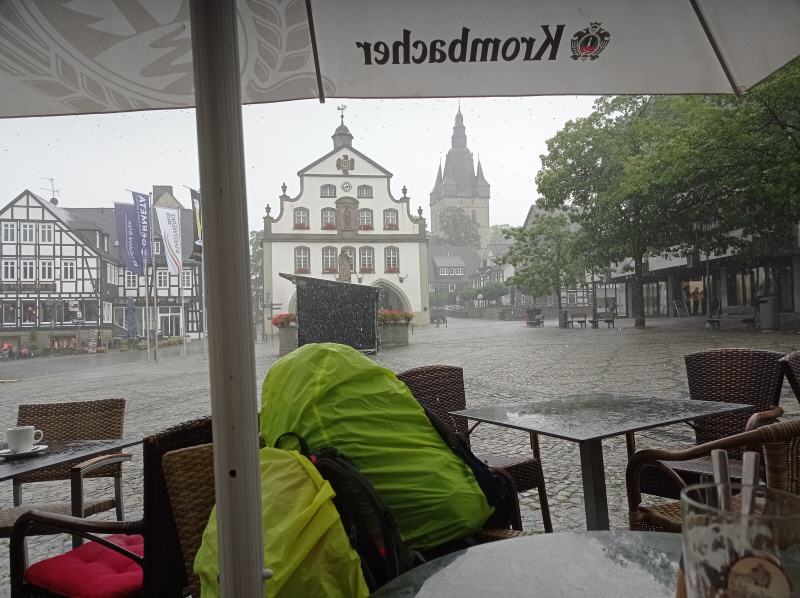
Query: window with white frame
{"type": "Point", "coordinates": [390, 219]}
{"type": "Point", "coordinates": [68, 270]}
{"type": "Point", "coordinates": [105, 242]}
{"type": "Point", "coordinates": [351, 255]}
{"type": "Point", "coordinates": [451, 271]}
{"type": "Point", "coordinates": [431, 287]}
{"type": "Point", "coordinates": [97, 239]}
{"type": "Point", "coordinates": [156, 247]}
{"type": "Point", "coordinates": [452, 287]}
{"type": "Point", "coordinates": [364, 191]}
{"type": "Point", "coordinates": [366, 259]}
{"type": "Point", "coordinates": [329, 259]}
{"type": "Point", "coordinates": [9, 232]}
{"type": "Point", "coordinates": [571, 298]}
{"type": "Point", "coordinates": [9, 312]}
{"type": "Point", "coordinates": [111, 274]}
{"type": "Point", "coordinates": [27, 232]}
{"type": "Point", "coordinates": [45, 233]}
{"type": "Point", "coordinates": [327, 191]}
{"type": "Point", "coordinates": [328, 217]}
{"type": "Point", "coordinates": [46, 270]}
{"type": "Point", "coordinates": [364, 217]}
{"type": "Point", "coordinates": [162, 279]}
{"type": "Point", "coordinates": [186, 278]}
{"type": "Point", "coordinates": [392, 257]}
{"type": "Point", "coordinates": [9, 269]}
{"type": "Point", "coordinates": [522, 298]}
{"type": "Point", "coordinates": [301, 260]}
{"type": "Point", "coordinates": [108, 312]}
{"type": "Point", "coordinates": [131, 280]}
{"type": "Point", "coordinates": [28, 269]}
{"type": "Point", "coordinates": [459, 271]}
{"type": "Point", "coordinates": [301, 218]}
{"type": "Point", "coordinates": [442, 271]}
{"type": "Point", "coordinates": [29, 311]}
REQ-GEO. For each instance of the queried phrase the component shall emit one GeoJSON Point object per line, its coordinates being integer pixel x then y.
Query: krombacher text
{"type": "Point", "coordinates": [463, 49]}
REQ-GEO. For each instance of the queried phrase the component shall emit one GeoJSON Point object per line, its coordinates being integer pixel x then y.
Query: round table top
{"type": "Point", "coordinates": [613, 564]}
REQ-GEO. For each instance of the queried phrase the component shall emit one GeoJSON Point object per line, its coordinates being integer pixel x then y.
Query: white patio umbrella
{"type": "Point", "coordinates": [90, 56]}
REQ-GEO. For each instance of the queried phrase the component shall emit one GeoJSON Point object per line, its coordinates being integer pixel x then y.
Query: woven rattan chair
{"type": "Point", "coordinates": [781, 445]}
{"type": "Point", "coordinates": [440, 389]}
{"type": "Point", "coordinates": [163, 571]}
{"type": "Point", "coordinates": [791, 369]}
{"type": "Point", "coordinates": [743, 376]}
{"type": "Point", "coordinates": [84, 420]}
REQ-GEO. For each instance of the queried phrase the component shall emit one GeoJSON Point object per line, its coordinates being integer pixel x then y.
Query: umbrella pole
{"type": "Point", "coordinates": [226, 253]}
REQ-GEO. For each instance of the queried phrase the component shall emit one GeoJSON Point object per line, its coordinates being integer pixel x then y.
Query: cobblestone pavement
{"type": "Point", "coordinates": [502, 361]}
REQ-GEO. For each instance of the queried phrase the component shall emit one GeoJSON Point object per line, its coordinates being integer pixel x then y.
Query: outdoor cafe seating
{"type": "Point", "coordinates": [741, 376]}
{"type": "Point", "coordinates": [82, 420]}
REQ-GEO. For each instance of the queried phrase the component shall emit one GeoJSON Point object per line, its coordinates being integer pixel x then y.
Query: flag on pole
{"type": "Point", "coordinates": [142, 203]}
{"type": "Point", "coordinates": [197, 248]}
{"type": "Point", "coordinates": [128, 237]}
{"type": "Point", "coordinates": [170, 223]}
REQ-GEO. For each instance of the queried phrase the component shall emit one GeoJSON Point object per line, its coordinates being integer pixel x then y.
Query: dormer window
{"type": "Point", "coordinates": [301, 219]}
{"type": "Point", "coordinates": [364, 192]}
{"type": "Point", "coordinates": [327, 191]}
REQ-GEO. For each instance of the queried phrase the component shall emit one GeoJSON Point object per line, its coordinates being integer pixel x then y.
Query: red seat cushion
{"type": "Point", "coordinates": [92, 571]}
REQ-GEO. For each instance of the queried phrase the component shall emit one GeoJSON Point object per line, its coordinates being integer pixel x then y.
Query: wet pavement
{"type": "Point", "coordinates": [502, 361]}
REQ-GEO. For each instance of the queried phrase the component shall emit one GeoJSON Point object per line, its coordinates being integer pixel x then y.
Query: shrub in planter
{"type": "Point", "coordinates": [284, 320]}
{"type": "Point", "coordinates": [392, 270]}
{"type": "Point", "coordinates": [395, 317]}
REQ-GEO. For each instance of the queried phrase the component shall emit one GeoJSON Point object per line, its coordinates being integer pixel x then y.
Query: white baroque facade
{"type": "Point", "coordinates": [345, 203]}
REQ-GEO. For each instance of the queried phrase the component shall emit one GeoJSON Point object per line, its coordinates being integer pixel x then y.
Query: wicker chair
{"type": "Point", "coordinates": [440, 388]}
{"type": "Point", "coordinates": [743, 376]}
{"type": "Point", "coordinates": [85, 420]}
{"type": "Point", "coordinates": [163, 573]}
{"type": "Point", "coordinates": [781, 445]}
{"type": "Point", "coordinates": [791, 369]}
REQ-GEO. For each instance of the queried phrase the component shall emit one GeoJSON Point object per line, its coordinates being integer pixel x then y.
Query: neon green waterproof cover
{"type": "Point", "coordinates": [332, 395]}
{"type": "Point", "coordinates": [304, 541]}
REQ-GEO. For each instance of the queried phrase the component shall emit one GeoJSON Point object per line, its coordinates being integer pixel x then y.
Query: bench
{"type": "Point", "coordinates": [533, 322]}
{"type": "Point", "coordinates": [605, 316]}
{"type": "Point", "coordinates": [577, 319]}
{"type": "Point", "coordinates": [744, 313]}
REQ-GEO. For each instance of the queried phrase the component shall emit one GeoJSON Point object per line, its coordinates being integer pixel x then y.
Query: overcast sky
{"type": "Point", "coordinates": [94, 159]}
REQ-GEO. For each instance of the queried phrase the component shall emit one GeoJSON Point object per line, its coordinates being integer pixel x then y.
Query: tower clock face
{"type": "Point", "coordinates": [346, 187]}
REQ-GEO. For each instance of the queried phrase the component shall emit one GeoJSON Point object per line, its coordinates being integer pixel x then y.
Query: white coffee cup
{"type": "Point", "coordinates": [21, 438]}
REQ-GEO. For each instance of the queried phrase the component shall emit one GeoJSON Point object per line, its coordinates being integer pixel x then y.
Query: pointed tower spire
{"type": "Point", "coordinates": [436, 192]}
{"type": "Point", "coordinates": [481, 185]}
{"type": "Point", "coordinates": [459, 138]}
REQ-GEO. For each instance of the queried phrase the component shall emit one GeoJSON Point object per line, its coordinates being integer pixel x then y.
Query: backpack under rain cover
{"type": "Point", "coordinates": [368, 523]}
{"type": "Point", "coordinates": [304, 542]}
{"type": "Point", "coordinates": [332, 395]}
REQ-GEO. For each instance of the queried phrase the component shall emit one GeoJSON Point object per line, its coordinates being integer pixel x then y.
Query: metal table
{"type": "Point", "coordinates": [617, 564]}
{"type": "Point", "coordinates": [587, 419]}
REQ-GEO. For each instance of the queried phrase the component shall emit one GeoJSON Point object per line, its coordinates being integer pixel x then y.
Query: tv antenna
{"type": "Point", "coordinates": [53, 191]}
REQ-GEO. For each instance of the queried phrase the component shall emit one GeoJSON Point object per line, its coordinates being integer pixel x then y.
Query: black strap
{"type": "Point", "coordinates": [300, 440]}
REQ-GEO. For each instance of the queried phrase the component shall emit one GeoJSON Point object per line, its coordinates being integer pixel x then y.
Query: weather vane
{"type": "Point", "coordinates": [341, 109]}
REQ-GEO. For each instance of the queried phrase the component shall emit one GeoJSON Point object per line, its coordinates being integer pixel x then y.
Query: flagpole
{"type": "Point", "coordinates": [153, 260]}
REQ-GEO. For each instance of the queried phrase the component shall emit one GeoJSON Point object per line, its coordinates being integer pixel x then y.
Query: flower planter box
{"type": "Point", "coordinates": [367, 271]}
{"type": "Point", "coordinates": [366, 227]}
{"type": "Point", "coordinates": [302, 271]}
{"type": "Point", "coordinates": [390, 227]}
{"type": "Point", "coordinates": [287, 340]}
{"type": "Point", "coordinates": [393, 335]}
{"type": "Point", "coordinates": [329, 226]}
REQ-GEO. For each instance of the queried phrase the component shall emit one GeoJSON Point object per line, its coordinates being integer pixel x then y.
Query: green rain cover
{"type": "Point", "coordinates": [332, 395]}
{"type": "Point", "coordinates": [304, 540]}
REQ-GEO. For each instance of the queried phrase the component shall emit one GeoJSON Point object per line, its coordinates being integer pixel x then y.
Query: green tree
{"type": "Point", "coordinates": [492, 291]}
{"type": "Point", "coordinates": [544, 256]}
{"type": "Point", "coordinates": [496, 233]}
{"type": "Point", "coordinates": [256, 268]}
{"type": "Point", "coordinates": [458, 229]}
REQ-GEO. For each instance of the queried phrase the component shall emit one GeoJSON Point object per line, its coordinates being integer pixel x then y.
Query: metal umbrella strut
{"type": "Point", "coordinates": [89, 57]}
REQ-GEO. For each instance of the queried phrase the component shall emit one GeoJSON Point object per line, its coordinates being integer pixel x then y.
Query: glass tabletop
{"type": "Point", "coordinates": [615, 564]}
{"type": "Point", "coordinates": [583, 417]}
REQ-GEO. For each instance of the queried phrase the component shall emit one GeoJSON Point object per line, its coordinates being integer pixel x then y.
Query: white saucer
{"type": "Point", "coordinates": [7, 454]}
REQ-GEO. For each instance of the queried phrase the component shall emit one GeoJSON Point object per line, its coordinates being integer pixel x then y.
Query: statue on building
{"type": "Point", "coordinates": [344, 267]}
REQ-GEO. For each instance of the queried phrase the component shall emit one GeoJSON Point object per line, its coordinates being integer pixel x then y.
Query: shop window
{"type": "Point", "coordinates": [28, 311]}
{"type": "Point", "coordinates": [9, 312]}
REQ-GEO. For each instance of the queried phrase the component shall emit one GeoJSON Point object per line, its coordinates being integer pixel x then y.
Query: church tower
{"type": "Point", "coordinates": [460, 186]}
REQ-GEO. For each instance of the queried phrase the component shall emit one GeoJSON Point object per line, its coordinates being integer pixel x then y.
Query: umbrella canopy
{"type": "Point", "coordinates": [93, 56]}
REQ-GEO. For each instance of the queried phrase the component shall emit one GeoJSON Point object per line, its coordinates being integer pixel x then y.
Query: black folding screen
{"type": "Point", "coordinates": [336, 312]}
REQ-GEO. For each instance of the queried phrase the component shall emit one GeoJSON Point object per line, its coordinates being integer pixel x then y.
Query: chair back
{"type": "Point", "coordinates": [189, 476]}
{"type": "Point", "coordinates": [742, 376]}
{"type": "Point", "coordinates": [782, 455]}
{"type": "Point", "coordinates": [439, 388]}
{"type": "Point", "coordinates": [791, 369]}
{"type": "Point", "coordinates": [164, 573]}
{"type": "Point", "coordinates": [82, 420]}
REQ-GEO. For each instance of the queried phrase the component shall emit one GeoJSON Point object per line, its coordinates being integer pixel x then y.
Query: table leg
{"type": "Point", "coordinates": [594, 485]}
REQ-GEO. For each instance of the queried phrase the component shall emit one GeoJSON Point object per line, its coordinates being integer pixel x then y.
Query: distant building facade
{"type": "Point", "coordinates": [345, 205]}
{"type": "Point", "coordinates": [460, 186]}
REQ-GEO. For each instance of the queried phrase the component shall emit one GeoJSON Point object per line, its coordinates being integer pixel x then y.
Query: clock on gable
{"type": "Point", "coordinates": [346, 187]}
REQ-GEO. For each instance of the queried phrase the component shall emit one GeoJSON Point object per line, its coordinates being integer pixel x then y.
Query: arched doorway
{"type": "Point", "coordinates": [391, 297]}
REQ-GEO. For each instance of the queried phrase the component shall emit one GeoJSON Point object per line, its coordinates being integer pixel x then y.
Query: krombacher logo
{"type": "Point", "coordinates": [463, 49]}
